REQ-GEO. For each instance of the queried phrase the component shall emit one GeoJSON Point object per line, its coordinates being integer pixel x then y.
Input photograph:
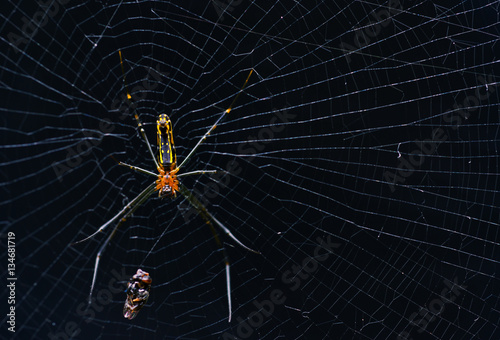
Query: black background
{"type": "Point", "coordinates": [322, 176]}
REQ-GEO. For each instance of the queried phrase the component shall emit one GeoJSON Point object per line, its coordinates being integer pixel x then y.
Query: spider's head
{"type": "Point", "coordinates": [166, 192]}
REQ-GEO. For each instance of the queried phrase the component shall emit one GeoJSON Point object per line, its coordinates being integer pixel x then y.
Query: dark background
{"type": "Point", "coordinates": [320, 176]}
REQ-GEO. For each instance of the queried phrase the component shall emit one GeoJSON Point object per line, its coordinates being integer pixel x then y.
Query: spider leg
{"type": "Point", "coordinates": [150, 173]}
{"type": "Point", "coordinates": [226, 264]}
{"type": "Point", "coordinates": [208, 220]}
{"type": "Point", "coordinates": [140, 199]}
{"type": "Point", "coordinates": [136, 168]}
{"type": "Point", "coordinates": [215, 125]}
{"type": "Point", "coordinates": [228, 233]}
{"type": "Point", "coordinates": [126, 211]}
{"type": "Point", "coordinates": [122, 215]}
{"type": "Point", "coordinates": [136, 116]}
{"type": "Point", "coordinates": [207, 216]}
{"type": "Point", "coordinates": [197, 172]}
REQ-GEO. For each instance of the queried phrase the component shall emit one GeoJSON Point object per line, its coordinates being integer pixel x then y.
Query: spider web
{"type": "Point", "coordinates": [361, 160]}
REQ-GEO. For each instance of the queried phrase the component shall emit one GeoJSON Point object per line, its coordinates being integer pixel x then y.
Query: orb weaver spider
{"type": "Point", "coordinates": [167, 184]}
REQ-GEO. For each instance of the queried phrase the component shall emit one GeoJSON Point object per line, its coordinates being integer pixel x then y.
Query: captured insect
{"type": "Point", "coordinates": [167, 184]}
{"type": "Point", "coordinates": [137, 294]}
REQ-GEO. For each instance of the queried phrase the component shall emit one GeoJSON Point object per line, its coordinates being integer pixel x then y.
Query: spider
{"type": "Point", "coordinates": [167, 184]}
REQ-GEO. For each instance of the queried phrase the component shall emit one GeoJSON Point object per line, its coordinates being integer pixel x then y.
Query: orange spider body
{"type": "Point", "coordinates": [167, 183]}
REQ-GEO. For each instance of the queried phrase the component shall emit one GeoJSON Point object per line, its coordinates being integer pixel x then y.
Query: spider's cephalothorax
{"type": "Point", "coordinates": [167, 183]}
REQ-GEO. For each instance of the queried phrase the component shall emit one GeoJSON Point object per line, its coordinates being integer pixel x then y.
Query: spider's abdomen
{"type": "Point", "coordinates": [167, 157]}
